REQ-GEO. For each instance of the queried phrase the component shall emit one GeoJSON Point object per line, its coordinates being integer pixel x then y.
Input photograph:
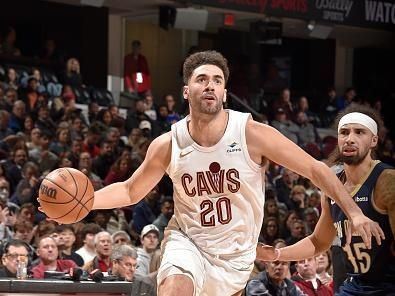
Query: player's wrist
{"type": "Point", "coordinates": [277, 255]}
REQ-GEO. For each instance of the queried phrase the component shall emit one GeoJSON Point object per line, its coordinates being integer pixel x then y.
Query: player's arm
{"type": "Point", "coordinates": [384, 195]}
{"type": "Point", "coordinates": [319, 241]}
{"type": "Point", "coordinates": [267, 142]}
{"type": "Point", "coordinates": [142, 181]}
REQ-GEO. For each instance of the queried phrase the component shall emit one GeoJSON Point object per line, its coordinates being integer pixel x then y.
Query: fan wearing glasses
{"type": "Point", "coordinates": [14, 251]}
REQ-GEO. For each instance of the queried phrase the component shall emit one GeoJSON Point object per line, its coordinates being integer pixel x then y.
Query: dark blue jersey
{"type": "Point", "coordinates": [378, 263]}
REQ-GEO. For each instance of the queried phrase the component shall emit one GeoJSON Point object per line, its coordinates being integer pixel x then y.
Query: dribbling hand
{"type": "Point", "coordinates": [42, 211]}
{"type": "Point", "coordinates": [366, 228]}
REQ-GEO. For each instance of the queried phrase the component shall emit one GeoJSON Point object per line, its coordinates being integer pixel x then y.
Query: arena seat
{"type": "Point", "coordinates": [82, 95]}
{"type": "Point", "coordinates": [102, 96]}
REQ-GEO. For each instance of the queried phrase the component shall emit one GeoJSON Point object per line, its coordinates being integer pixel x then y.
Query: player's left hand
{"type": "Point", "coordinates": [265, 252]}
{"type": "Point", "coordinates": [366, 228]}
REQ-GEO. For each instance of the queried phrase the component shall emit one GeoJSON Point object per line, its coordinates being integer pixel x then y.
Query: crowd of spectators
{"type": "Point", "coordinates": [41, 129]}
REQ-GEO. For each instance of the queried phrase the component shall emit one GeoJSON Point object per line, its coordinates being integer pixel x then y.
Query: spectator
{"type": "Point", "coordinates": [297, 199]}
{"type": "Point", "coordinates": [303, 106]}
{"type": "Point", "coordinates": [14, 252]}
{"type": "Point", "coordinates": [61, 145]}
{"type": "Point", "coordinates": [23, 230]}
{"type": "Point", "coordinates": [14, 167]}
{"type": "Point", "coordinates": [8, 46]}
{"type": "Point", "coordinates": [103, 162]}
{"type": "Point", "coordinates": [93, 110]}
{"type": "Point", "coordinates": [285, 126]}
{"type": "Point", "coordinates": [314, 200]}
{"type": "Point", "coordinates": [28, 185]}
{"type": "Point", "coordinates": [113, 135]}
{"type": "Point", "coordinates": [150, 108]}
{"type": "Point", "coordinates": [308, 134]}
{"type": "Point", "coordinates": [27, 212]}
{"type": "Point", "coordinates": [135, 139]}
{"type": "Point", "coordinates": [145, 212]}
{"type": "Point", "coordinates": [10, 97]}
{"type": "Point", "coordinates": [284, 103]}
{"type": "Point", "coordinates": [137, 115]}
{"type": "Point", "coordinates": [85, 166]}
{"type": "Point", "coordinates": [91, 141]}
{"type": "Point", "coordinates": [104, 117]}
{"type": "Point", "coordinates": [75, 151]}
{"type": "Point", "coordinates": [6, 226]}
{"type": "Point", "coordinates": [273, 281]}
{"type": "Point", "coordinates": [5, 131]}
{"type": "Point", "coordinates": [324, 267]}
{"type": "Point", "coordinates": [284, 184]}
{"type": "Point", "coordinates": [297, 232]}
{"type": "Point", "coordinates": [163, 124]}
{"type": "Point", "coordinates": [120, 171]}
{"type": "Point", "coordinates": [88, 232]}
{"type": "Point", "coordinates": [46, 159]}
{"type": "Point", "coordinates": [328, 108]}
{"type": "Point", "coordinates": [11, 80]}
{"type": "Point", "coordinates": [17, 119]}
{"type": "Point", "coordinates": [149, 242]}
{"type": "Point", "coordinates": [35, 139]}
{"type": "Point", "coordinates": [167, 210]}
{"type": "Point", "coordinates": [32, 95]}
{"type": "Point", "coordinates": [136, 71]}
{"type": "Point", "coordinates": [121, 237]}
{"type": "Point", "coordinates": [306, 279]}
{"type": "Point", "coordinates": [310, 218]}
{"type": "Point", "coordinates": [44, 121]}
{"type": "Point", "coordinates": [270, 231]}
{"type": "Point", "coordinates": [28, 126]}
{"type": "Point", "coordinates": [47, 251]}
{"type": "Point", "coordinates": [172, 116]}
{"type": "Point", "coordinates": [103, 246]}
{"type": "Point", "coordinates": [66, 244]}
{"type": "Point", "coordinates": [124, 264]}
{"type": "Point", "coordinates": [72, 75]}
{"type": "Point", "coordinates": [347, 99]}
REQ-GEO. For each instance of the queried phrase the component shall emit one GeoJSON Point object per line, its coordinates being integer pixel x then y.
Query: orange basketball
{"type": "Point", "coordinates": [66, 195]}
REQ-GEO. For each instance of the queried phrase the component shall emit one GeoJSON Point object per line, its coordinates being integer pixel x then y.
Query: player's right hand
{"type": "Point", "coordinates": [42, 211]}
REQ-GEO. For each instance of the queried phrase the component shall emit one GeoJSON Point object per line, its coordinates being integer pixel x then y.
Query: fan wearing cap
{"type": "Point", "coordinates": [371, 185]}
{"type": "Point", "coordinates": [285, 126]}
{"type": "Point", "coordinates": [149, 244]}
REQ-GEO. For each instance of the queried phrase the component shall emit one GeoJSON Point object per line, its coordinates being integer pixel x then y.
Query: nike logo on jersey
{"type": "Point", "coordinates": [185, 153]}
{"type": "Point", "coordinates": [332, 202]}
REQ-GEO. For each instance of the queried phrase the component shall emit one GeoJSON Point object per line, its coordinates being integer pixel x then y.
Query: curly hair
{"type": "Point", "coordinates": [198, 59]}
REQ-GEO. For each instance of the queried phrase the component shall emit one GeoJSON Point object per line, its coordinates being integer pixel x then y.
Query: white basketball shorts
{"type": "Point", "coordinates": [211, 275]}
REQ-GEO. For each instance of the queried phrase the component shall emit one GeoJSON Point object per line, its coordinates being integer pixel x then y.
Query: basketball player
{"type": "Point", "coordinates": [371, 183]}
{"type": "Point", "coordinates": [214, 158]}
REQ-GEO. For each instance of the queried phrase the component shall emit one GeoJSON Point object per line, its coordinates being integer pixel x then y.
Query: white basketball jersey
{"type": "Point", "coordinates": [218, 190]}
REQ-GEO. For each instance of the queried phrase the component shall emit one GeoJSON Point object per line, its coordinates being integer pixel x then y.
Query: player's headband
{"type": "Point", "coordinates": [357, 117]}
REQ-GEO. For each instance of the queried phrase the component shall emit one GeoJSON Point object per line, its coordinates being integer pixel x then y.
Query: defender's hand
{"type": "Point", "coordinates": [266, 253]}
{"type": "Point", "coordinates": [366, 228]}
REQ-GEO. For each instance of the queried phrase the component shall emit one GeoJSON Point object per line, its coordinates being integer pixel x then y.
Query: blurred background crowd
{"type": "Point", "coordinates": [52, 119]}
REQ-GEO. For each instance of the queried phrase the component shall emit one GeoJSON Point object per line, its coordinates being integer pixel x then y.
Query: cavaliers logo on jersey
{"type": "Point", "coordinates": [214, 180]}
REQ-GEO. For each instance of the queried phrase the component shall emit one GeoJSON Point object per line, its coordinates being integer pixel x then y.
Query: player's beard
{"type": "Point", "coordinates": [213, 108]}
{"type": "Point", "coordinates": [354, 160]}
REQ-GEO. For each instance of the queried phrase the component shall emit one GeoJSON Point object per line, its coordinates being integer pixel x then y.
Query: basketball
{"type": "Point", "coordinates": [66, 195]}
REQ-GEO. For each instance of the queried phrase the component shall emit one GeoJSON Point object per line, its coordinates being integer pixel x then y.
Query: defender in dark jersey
{"type": "Point", "coordinates": [371, 183]}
